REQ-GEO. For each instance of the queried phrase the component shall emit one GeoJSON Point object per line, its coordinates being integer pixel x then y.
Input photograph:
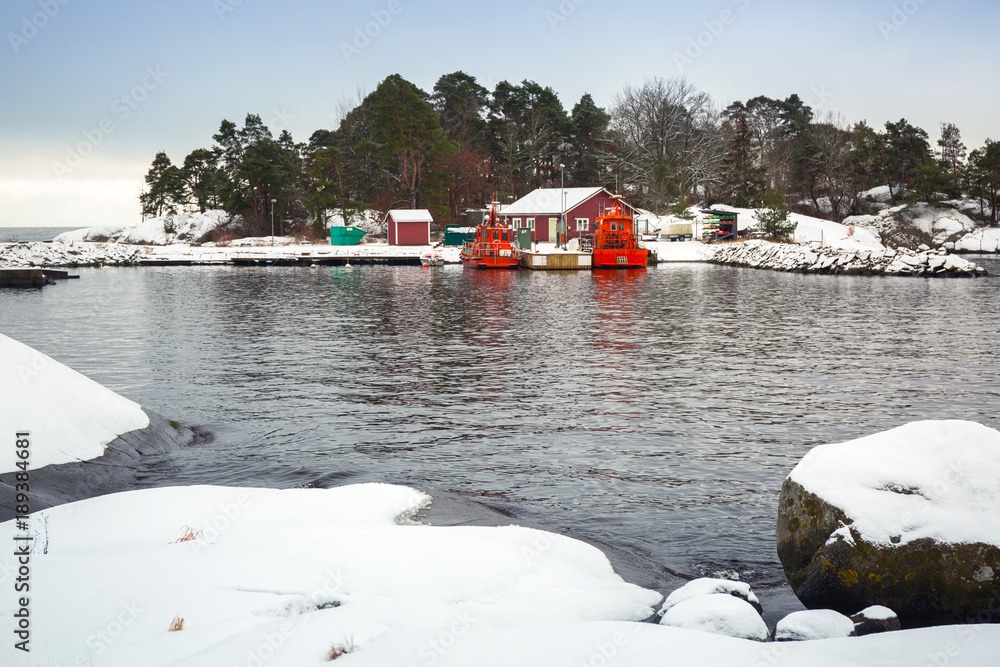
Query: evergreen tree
{"type": "Point", "coordinates": [743, 179]}
{"type": "Point", "coordinates": [952, 149]}
{"type": "Point", "coordinates": [203, 179]}
{"type": "Point", "coordinates": [588, 136]}
{"type": "Point", "coordinates": [907, 148]}
{"type": "Point", "coordinates": [164, 192]}
{"type": "Point", "coordinates": [774, 220]}
{"type": "Point", "coordinates": [408, 132]}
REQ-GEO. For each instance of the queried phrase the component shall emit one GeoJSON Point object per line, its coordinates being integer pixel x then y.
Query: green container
{"type": "Point", "coordinates": [457, 236]}
{"type": "Point", "coordinates": [524, 239]}
{"type": "Point", "coordinates": [346, 235]}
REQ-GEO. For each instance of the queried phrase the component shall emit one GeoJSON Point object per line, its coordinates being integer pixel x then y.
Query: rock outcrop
{"type": "Point", "coordinates": [814, 258]}
{"type": "Point", "coordinates": [69, 254]}
{"type": "Point", "coordinates": [906, 519]}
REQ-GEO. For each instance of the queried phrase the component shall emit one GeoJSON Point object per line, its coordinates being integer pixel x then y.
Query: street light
{"type": "Point", "coordinates": [562, 201]}
{"type": "Point", "coordinates": [273, 201]}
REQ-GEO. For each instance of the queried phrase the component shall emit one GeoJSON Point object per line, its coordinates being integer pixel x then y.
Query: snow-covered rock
{"type": "Point", "coordinates": [813, 624]}
{"type": "Point", "coordinates": [814, 230]}
{"type": "Point", "coordinates": [70, 254]}
{"type": "Point", "coordinates": [875, 619]}
{"type": "Point", "coordinates": [981, 240]}
{"type": "Point", "coordinates": [905, 518]}
{"type": "Point", "coordinates": [69, 417]}
{"type": "Point", "coordinates": [280, 576]}
{"type": "Point", "coordinates": [816, 258]}
{"type": "Point", "coordinates": [707, 586]}
{"type": "Point", "coordinates": [180, 228]}
{"type": "Point", "coordinates": [720, 614]}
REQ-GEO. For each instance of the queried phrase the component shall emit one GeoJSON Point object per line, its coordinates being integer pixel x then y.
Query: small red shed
{"type": "Point", "coordinates": [409, 226]}
{"type": "Point", "coordinates": [540, 211]}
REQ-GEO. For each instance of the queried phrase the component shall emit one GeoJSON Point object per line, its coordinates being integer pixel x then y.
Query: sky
{"type": "Point", "coordinates": [94, 88]}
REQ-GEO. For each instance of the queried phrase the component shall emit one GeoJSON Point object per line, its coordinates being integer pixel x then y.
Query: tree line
{"type": "Point", "coordinates": [664, 143]}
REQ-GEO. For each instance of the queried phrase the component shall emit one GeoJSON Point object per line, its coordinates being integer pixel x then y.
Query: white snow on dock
{"type": "Point", "coordinates": [70, 417]}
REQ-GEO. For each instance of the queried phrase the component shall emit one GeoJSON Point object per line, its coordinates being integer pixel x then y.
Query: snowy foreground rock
{"type": "Point", "coordinates": [814, 258]}
{"type": "Point", "coordinates": [208, 576]}
{"type": "Point", "coordinates": [70, 417]}
{"type": "Point", "coordinates": [907, 519]}
{"type": "Point", "coordinates": [812, 625]}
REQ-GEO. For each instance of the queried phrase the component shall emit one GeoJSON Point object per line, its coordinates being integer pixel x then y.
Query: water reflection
{"type": "Point", "coordinates": [656, 409]}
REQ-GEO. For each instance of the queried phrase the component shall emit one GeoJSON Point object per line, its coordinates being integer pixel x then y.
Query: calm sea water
{"type": "Point", "coordinates": [31, 233]}
{"type": "Point", "coordinates": [656, 410]}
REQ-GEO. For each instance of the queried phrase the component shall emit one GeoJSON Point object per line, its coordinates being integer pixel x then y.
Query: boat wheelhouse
{"type": "Point", "coordinates": [493, 247]}
{"type": "Point", "coordinates": [615, 244]}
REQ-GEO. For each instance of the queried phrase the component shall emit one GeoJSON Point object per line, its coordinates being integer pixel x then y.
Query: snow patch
{"type": "Point", "coordinates": [813, 624]}
{"type": "Point", "coordinates": [931, 479]}
{"type": "Point", "coordinates": [70, 417]}
{"type": "Point", "coordinates": [720, 614]}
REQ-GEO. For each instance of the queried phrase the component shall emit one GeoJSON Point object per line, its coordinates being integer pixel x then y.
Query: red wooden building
{"type": "Point", "coordinates": [409, 226]}
{"type": "Point", "coordinates": [540, 212]}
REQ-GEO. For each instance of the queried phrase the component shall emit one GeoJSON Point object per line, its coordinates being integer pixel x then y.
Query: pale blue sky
{"type": "Point", "coordinates": [183, 66]}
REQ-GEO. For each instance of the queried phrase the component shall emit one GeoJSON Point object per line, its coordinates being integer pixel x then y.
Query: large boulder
{"type": "Point", "coordinates": [813, 624]}
{"type": "Point", "coordinates": [720, 614]}
{"type": "Point", "coordinates": [906, 519]}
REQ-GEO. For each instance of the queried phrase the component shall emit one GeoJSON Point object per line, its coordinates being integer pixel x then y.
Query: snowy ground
{"type": "Point", "coordinates": [69, 417]}
{"type": "Point", "coordinates": [279, 578]}
{"type": "Point", "coordinates": [93, 254]}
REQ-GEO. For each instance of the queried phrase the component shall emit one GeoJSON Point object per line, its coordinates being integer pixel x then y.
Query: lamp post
{"type": "Point", "coordinates": [562, 201]}
{"type": "Point", "coordinates": [273, 201]}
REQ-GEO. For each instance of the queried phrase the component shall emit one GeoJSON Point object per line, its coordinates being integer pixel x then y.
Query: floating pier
{"type": "Point", "coordinates": [21, 278]}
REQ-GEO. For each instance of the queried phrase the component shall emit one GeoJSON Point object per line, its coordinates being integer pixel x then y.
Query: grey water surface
{"type": "Point", "coordinates": [658, 411]}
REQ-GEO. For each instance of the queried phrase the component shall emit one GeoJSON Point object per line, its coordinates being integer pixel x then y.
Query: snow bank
{"type": "Point", "coordinates": [183, 229]}
{"type": "Point", "coordinates": [815, 258]}
{"type": "Point", "coordinates": [69, 254]}
{"type": "Point", "coordinates": [813, 624]}
{"type": "Point", "coordinates": [932, 479]}
{"type": "Point", "coordinates": [680, 251]}
{"type": "Point", "coordinates": [982, 240]}
{"type": "Point", "coordinates": [70, 417]}
{"type": "Point", "coordinates": [720, 614]}
{"type": "Point", "coordinates": [281, 576]}
{"type": "Point", "coordinates": [708, 586]}
{"type": "Point", "coordinates": [809, 229]}
{"type": "Point", "coordinates": [277, 578]}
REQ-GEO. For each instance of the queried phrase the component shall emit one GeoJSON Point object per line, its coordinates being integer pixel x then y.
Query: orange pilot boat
{"type": "Point", "coordinates": [615, 243]}
{"type": "Point", "coordinates": [493, 247]}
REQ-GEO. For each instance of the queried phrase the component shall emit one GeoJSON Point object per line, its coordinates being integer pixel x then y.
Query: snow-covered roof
{"type": "Point", "coordinates": [411, 215]}
{"type": "Point", "coordinates": [546, 200]}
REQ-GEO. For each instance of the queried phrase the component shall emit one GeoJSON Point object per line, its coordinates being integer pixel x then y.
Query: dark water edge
{"type": "Point", "coordinates": [657, 411]}
{"type": "Point", "coordinates": [8, 234]}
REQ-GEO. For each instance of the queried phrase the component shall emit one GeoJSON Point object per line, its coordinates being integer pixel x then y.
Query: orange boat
{"type": "Point", "coordinates": [493, 247]}
{"type": "Point", "coordinates": [615, 242]}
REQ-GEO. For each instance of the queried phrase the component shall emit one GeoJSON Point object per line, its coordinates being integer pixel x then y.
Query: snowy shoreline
{"type": "Point", "coordinates": [374, 572]}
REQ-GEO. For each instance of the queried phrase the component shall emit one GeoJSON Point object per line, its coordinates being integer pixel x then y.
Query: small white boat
{"type": "Point", "coordinates": [431, 259]}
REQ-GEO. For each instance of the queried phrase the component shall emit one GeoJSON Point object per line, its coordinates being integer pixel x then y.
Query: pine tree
{"type": "Point", "coordinates": [164, 188]}
{"type": "Point", "coordinates": [774, 220]}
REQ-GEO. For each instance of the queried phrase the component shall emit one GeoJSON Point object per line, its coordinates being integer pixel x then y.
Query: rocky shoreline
{"type": "Point", "coordinates": [70, 255]}
{"type": "Point", "coordinates": [817, 259]}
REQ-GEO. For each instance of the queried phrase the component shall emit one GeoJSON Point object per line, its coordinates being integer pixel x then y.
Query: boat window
{"type": "Point", "coordinates": [496, 235]}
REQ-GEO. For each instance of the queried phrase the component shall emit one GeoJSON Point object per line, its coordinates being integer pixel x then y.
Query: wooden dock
{"type": "Point", "coordinates": [556, 261]}
{"type": "Point", "coordinates": [21, 278]}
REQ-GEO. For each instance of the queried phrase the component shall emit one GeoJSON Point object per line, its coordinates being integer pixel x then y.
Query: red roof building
{"type": "Point", "coordinates": [409, 226]}
{"type": "Point", "coordinates": [540, 212]}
